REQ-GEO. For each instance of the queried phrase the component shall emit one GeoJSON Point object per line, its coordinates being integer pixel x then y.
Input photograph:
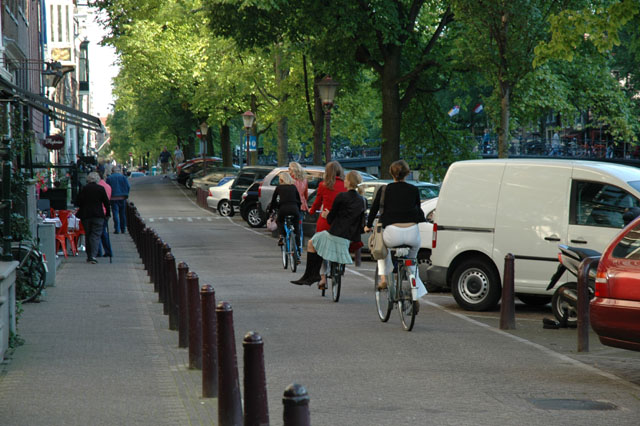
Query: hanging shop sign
{"type": "Point", "coordinates": [54, 142]}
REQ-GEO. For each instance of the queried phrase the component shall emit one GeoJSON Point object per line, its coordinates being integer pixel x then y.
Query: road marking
{"type": "Point", "coordinates": [170, 219]}
{"type": "Point", "coordinates": [522, 340]}
{"type": "Point", "coordinates": [189, 219]}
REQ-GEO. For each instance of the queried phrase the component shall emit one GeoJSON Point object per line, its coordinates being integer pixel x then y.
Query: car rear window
{"type": "Point", "coordinates": [629, 245]}
{"type": "Point", "coordinates": [428, 192]}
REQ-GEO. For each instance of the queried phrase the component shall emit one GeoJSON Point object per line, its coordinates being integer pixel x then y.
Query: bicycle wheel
{"type": "Point", "coordinates": [406, 306]}
{"type": "Point", "coordinates": [383, 301]}
{"type": "Point", "coordinates": [336, 281]}
{"type": "Point", "coordinates": [293, 252]}
{"type": "Point", "coordinates": [285, 255]}
{"type": "Point", "coordinates": [30, 274]}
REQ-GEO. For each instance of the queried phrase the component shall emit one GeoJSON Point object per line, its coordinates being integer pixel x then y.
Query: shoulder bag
{"type": "Point", "coordinates": [376, 244]}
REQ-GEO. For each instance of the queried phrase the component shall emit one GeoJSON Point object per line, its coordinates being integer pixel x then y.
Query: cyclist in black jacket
{"type": "Point", "coordinates": [286, 199]}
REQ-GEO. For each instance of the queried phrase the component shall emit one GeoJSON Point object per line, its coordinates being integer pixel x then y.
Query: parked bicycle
{"type": "Point", "coordinates": [335, 273]}
{"type": "Point", "coordinates": [401, 291]}
{"type": "Point", "coordinates": [31, 272]}
{"type": "Point", "coordinates": [290, 249]}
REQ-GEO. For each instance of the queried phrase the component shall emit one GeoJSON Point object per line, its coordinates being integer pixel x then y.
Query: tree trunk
{"type": "Point", "coordinates": [283, 147]}
{"type": "Point", "coordinates": [503, 136]}
{"type": "Point", "coordinates": [209, 142]}
{"type": "Point", "coordinates": [253, 155]}
{"type": "Point", "coordinates": [391, 114]}
{"type": "Point", "coordinates": [318, 124]}
{"type": "Point", "coordinates": [225, 146]}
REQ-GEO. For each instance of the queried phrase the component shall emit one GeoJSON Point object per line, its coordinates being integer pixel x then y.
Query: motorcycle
{"type": "Point", "coordinates": [564, 301]}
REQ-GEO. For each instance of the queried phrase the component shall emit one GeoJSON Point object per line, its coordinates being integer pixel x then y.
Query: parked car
{"type": "Point", "coordinates": [314, 176]}
{"type": "Point", "coordinates": [185, 163]}
{"type": "Point", "coordinates": [194, 167]}
{"type": "Point", "coordinates": [244, 179]}
{"type": "Point", "coordinates": [218, 198]}
{"type": "Point", "coordinates": [249, 209]}
{"type": "Point", "coordinates": [615, 309]}
{"type": "Point", "coordinates": [136, 174]}
{"type": "Point", "coordinates": [489, 208]}
{"type": "Point", "coordinates": [213, 176]}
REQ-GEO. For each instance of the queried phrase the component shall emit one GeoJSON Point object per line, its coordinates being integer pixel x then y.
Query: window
{"type": "Point", "coordinates": [60, 21]}
{"type": "Point", "coordinates": [629, 246]}
{"type": "Point", "coordinates": [598, 204]}
{"type": "Point", "coordinates": [51, 26]}
{"type": "Point", "coordinates": [244, 181]}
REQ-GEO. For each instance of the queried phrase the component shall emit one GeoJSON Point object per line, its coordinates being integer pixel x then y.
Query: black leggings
{"type": "Point", "coordinates": [288, 210]}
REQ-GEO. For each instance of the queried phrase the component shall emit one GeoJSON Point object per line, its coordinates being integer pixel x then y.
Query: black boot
{"type": "Point", "coordinates": [312, 270]}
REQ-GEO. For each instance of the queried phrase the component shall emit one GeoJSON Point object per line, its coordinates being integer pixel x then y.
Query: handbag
{"type": "Point", "coordinates": [377, 246]}
{"type": "Point", "coordinates": [271, 223]}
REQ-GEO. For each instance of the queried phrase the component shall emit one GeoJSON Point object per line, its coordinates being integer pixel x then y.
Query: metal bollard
{"type": "Point", "coordinates": [163, 285]}
{"type": "Point", "coordinates": [209, 343]}
{"type": "Point", "coordinates": [195, 322]}
{"type": "Point", "coordinates": [229, 403]}
{"type": "Point", "coordinates": [143, 248]}
{"type": "Point", "coordinates": [172, 290]}
{"type": "Point", "coordinates": [507, 304]}
{"type": "Point", "coordinates": [155, 244]}
{"type": "Point", "coordinates": [183, 311]}
{"type": "Point", "coordinates": [296, 406]}
{"type": "Point", "coordinates": [583, 303]}
{"type": "Point", "coordinates": [256, 410]}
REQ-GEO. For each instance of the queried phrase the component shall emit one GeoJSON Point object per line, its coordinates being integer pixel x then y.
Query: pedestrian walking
{"type": "Point", "coordinates": [119, 194]}
{"type": "Point", "coordinates": [104, 238]}
{"type": "Point", "coordinates": [178, 156]}
{"type": "Point", "coordinates": [165, 157]}
{"type": "Point", "coordinates": [93, 209]}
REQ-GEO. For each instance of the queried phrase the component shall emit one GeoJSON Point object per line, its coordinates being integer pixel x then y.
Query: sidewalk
{"type": "Point", "coordinates": [97, 351]}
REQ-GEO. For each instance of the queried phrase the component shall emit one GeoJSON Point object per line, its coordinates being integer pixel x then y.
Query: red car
{"type": "Point", "coordinates": [615, 310]}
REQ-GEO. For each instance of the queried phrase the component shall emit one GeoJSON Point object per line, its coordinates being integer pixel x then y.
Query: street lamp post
{"type": "Point", "coordinates": [248, 118]}
{"type": "Point", "coordinates": [327, 88]}
{"type": "Point", "coordinates": [204, 129]}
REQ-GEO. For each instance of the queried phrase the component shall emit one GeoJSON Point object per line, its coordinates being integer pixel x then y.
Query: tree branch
{"type": "Point", "coordinates": [306, 89]}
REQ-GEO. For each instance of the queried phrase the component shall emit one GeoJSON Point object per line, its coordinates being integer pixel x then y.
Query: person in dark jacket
{"type": "Point", "coordinates": [94, 207]}
{"type": "Point", "coordinates": [119, 193]}
{"type": "Point", "coordinates": [286, 199]}
{"type": "Point", "coordinates": [401, 214]}
{"type": "Point", "coordinates": [345, 221]}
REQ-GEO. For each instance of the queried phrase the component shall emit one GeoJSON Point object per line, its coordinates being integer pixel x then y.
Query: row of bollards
{"type": "Point", "coordinates": [201, 197]}
{"type": "Point", "coordinates": [207, 330]}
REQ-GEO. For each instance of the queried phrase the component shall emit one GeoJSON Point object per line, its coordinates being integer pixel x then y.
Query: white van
{"type": "Point", "coordinates": [489, 208]}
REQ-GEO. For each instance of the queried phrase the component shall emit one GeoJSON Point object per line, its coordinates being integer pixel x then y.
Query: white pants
{"type": "Point", "coordinates": [394, 236]}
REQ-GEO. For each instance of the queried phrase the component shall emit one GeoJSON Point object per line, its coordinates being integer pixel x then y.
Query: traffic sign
{"type": "Point", "coordinates": [253, 143]}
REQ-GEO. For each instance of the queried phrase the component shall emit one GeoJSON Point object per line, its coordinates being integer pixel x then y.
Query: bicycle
{"type": "Point", "coordinates": [335, 273]}
{"type": "Point", "coordinates": [401, 291]}
{"type": "Point", "coordinates": [290, 249]}
{"type": "Point", "coordinates": [31, 272]}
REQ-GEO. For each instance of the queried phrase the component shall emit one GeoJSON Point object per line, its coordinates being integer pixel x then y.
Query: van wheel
{"type": "Point", "coordinates": [475, 285]}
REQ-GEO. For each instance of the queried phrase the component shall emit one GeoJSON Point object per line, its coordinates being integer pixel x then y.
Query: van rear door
{"type": "Point", "coordinates": [531, 220]}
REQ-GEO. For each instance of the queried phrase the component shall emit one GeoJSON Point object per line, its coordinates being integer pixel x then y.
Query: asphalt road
{"type": "Point", "coordinates": [454, 368]}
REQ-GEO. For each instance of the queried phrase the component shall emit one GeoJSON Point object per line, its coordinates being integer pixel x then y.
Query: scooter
{"type": "Point", "coordinates": [564, 301]}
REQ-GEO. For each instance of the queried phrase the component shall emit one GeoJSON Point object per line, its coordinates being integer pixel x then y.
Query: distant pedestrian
{"type": "Point", "coordinates": [120, 192]}
{"type": "Point", "coordinates": [178, 156]}
{"type": "Point", "coordinates": [165, 158]}
{"type": "Point", "coordinates": [555, 144]}
{"type": "Point", "coordinates": [104, 238]}
{"type": "Point", "coordinates": [93, 209]}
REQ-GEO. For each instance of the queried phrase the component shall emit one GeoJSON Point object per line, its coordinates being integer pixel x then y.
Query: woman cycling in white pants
{"type": "Point", "coordinates": [401, 214]}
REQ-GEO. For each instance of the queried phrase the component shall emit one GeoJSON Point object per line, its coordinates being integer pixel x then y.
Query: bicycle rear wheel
{"type": "Point", "coordinates": [30, 274]}
{"type": "Point", "coordinates": [285, 256]}
{"type": "Point", "coordinates": [406, 306]}
{"type": "Point", "coordinates": [383, 302]}
{"type": "Point", "coordinates": [336, 280]}
{"type": "Point", "coordinates": [293, 252]}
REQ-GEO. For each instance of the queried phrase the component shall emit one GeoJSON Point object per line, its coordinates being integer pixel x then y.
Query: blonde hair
{"type": "Point", "coordinates": [285, 179]}
{"type": "Point", "coordinates": [399, 169]}
{"type": "Point", "coordinates": [296, 170]}
{"type": "Point", "coordinates": [332, 170]}
{"type": "Point", "coordinates": [353, 179]}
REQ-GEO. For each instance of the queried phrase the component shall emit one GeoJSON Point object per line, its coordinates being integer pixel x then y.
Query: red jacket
{"type": "Point", "coordinates": [324, 199]}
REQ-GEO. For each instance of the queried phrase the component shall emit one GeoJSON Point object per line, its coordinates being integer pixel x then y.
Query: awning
{"type": "Point", "coordinates": [54, 109]}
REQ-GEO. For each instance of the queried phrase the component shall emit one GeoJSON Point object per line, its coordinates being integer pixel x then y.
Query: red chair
{"type": "Point", "coordinates": [76, 234]}
{"type": "Point", "coordinates": [63, 234]}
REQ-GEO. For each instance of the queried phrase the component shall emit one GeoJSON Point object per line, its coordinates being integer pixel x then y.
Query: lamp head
{"type": "Point", "coordinates": [248, 118]}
